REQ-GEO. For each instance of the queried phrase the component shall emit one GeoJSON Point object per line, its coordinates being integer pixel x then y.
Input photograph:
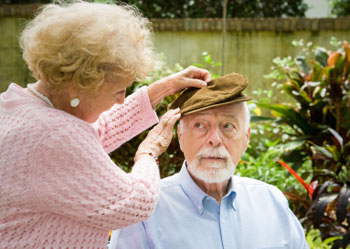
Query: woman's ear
{"type": "Point", "coordinates": [72, 93]}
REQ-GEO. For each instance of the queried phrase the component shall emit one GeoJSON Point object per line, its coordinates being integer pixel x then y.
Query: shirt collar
{"type": "Point", "coordinates": [196, 195]}
{"type": "Point", "coordinates": [231, 192]}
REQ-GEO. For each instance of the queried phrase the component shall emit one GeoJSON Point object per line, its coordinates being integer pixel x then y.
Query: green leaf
{"type": "Point", "coordinates": [339, 65]}
{"type": "Point", "coordinates": [255, 118]}
{"type": "Point", "coordinates": [198, 65]}
{"type": "Point", "coordinates": [324, 172]}
{"type": "Point", "coordinates": [321, 151]}
{"type": "Point", "coordinates": [317, 70]}
{"type": "Point", "coordinates": [305, 97]}
{"type": "Point", "coordinates": [290, 116]}
{"type": "Point", "coordinates": [330, 72]}
{"type": "Point", "coordinates": [208, 59]}
{"type": "Point", "coordinates": [334, 151]}
{"type": "Point", "coordinates": [321, 56]}
{"type": "Point", "coordinates": [291, 145]}
{"type": "Point", "coordinates": [329, 241]}
{"type": "Point", "coordinates": [288, 88]}
{"type": "Point", "coordinates": [301, 62]}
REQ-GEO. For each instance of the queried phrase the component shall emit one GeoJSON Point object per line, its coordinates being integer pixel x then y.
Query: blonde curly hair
{"type": "Point", "coordinates": [85, 44]}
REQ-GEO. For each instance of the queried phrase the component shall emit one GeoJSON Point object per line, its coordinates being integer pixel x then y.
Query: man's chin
{"type": "Point", "coordinates": [211, 174]}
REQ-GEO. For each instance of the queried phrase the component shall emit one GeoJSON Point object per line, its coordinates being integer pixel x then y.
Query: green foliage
{"type": "Point", "coordinates": [205, 8]}
{"type": "Point", "coordinates": [260, 161]}
{"type": "Point", "coordinates": [213, 8]}
{"type": "Point", "coordinates": [319, 119]}
{"type": "Point", "coordinates": [340, 7]}
{"type": "Point", "coordinates": [267, 146]}
{"type": "Point", "coordinates": [209, 64]}
{"type": "Point", "coordinates": [314, 240]}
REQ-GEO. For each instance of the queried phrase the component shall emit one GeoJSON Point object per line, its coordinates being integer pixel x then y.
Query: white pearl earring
{"type": "Point", "coordinates": [74, 102]}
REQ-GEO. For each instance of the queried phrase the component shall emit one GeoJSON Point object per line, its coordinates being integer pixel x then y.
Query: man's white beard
{"type": "Point", "coordinates": [212, 172]}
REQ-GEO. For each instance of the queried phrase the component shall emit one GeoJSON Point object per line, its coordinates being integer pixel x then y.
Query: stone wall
{"type": "Point", "coordinates": [251, 44]}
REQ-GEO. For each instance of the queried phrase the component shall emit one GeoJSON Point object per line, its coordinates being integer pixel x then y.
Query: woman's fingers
{"type": "Point", "coordinates": [159, 138]}
{"type": "Point", "coordinates": [164, 132]}
{"type": "Point", "coordinates": [190, 77]}
{"type": "Point", "coordinates": [171, 122]}
{"type": "Point", "coordinates": [168, 115]}
{"type": "Point", "coordinates": [167, 123]}
{"type": "Point", "coordinates": [195, 83]}
{"type": "Point", "coordinates": [198, 73]}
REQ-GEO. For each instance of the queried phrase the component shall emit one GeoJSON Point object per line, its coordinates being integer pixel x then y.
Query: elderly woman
{"type": "Point", "coordinates": [59, 188]}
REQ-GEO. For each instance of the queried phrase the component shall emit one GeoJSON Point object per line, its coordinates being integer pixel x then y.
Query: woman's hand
{"type": "Point", "coordinates": [159, 138]}
{"type": "Point", "coordinates": [172, 84]}
{"type": "Point", "coordinates": [189, 77]}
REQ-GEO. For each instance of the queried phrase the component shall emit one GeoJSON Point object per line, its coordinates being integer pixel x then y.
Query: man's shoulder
{"type": "Point", "coordinates": [249, 181]}
{"type": "Point", "coordinates": [258, 186]}
{"type": "Point", "coordinates": [169, 182]}
{"type": "Point", "coordinates": [171, 189]}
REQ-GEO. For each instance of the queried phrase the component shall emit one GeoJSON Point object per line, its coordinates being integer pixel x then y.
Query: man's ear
{"type": "Point", "coordinates": [247, 138]}
{"type": "Point", "coordinates": [179, 134]}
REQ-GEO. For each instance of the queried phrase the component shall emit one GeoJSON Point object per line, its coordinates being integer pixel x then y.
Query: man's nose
{"type": "Point", "coordinates": [215, 138]}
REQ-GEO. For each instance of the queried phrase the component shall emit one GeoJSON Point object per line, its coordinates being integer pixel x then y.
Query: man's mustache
{"type": "Point", "coordinates": [214, 153]}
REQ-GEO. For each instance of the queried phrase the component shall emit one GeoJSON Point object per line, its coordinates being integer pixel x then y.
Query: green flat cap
{"type": "Point", "coordinates": [218, 92]}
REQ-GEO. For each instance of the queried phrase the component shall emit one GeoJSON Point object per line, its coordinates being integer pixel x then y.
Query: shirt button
{"type": "Point", "coordinates": [207, 198]}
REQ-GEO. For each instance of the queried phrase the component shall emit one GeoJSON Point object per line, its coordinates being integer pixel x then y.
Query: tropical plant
{"type": "Point", "coordinates": [262, 159]}
{"type": "Point", "coordinates": [261, 162]}
{"type": "Point", "coordinates": [319, 83]}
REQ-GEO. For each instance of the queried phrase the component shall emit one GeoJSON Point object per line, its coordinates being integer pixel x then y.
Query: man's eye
{"type": "Point", "coordinates": [229, 126]}
{"type": "Point", "coordinates": [199, 125]}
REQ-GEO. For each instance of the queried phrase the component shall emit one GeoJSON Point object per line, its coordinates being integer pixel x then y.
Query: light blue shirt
{"type": "Point", "coordinates": [252, 215]}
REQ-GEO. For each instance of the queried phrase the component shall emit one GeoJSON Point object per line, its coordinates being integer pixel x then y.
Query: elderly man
{"type": "Point", "coordinates": [204, 206]}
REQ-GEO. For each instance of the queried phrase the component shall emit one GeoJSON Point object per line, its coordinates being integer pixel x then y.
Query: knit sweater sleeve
{"type": "Point", "coordinates": [73, 176]}
{"type": "Point", "coordinates": [122, 122]}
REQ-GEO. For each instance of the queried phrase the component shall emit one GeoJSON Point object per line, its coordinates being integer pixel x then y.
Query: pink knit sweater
{"type": "Point", "coordinates": [58, 186]}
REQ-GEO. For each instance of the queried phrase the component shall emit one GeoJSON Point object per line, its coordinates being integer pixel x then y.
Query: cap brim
{"type": "Point", "coordinates": [236, 100]}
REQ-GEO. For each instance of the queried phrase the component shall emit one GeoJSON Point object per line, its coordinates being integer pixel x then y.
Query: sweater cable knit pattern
{"type": "Point", "coordinates": [59, 188]}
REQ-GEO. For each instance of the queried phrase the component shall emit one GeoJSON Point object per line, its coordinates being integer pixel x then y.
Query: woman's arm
{"type": "Point", "coordinates": [123, 122]}
{"type": "Point", "coordinates": [73, 176]}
